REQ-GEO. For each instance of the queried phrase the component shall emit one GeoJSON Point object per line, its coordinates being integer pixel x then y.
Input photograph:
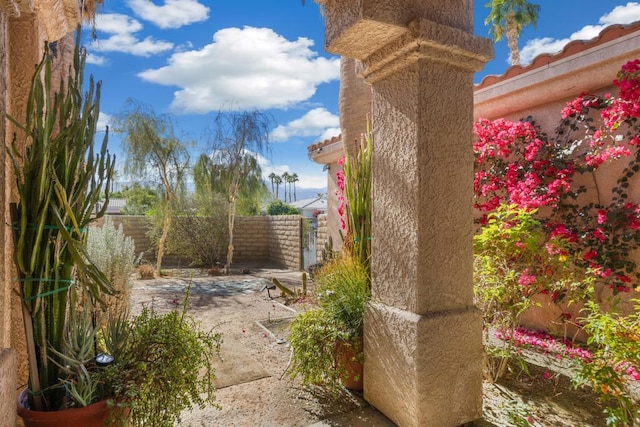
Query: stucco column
{"type": "Point", "coordinates": [423, 346]}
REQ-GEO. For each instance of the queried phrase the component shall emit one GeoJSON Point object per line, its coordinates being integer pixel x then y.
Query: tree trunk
{"type": "Point", "coordinates": [512, 40]}
{"type": "Point", "coordinates": [231, 223]}
{"type": "Point", "coordinates": [166, 223]}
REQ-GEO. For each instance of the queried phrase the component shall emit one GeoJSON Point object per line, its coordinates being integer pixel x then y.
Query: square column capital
{"type": "Point", "coordinates": [380, 32]}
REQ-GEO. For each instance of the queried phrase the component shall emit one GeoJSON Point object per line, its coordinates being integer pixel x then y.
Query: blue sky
{"type": "Point", "coordinates": [189, 58]}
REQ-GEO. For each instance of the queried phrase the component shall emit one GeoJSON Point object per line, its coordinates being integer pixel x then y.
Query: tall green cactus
{"type": "Point", "coordinates": [357, 192]}
{"type": "Point", "coordinates": [59, 179]}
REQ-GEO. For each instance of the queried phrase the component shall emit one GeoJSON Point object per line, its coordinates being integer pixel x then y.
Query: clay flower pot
{"type": "Point", "coordinates": [348, 363]}
{"type": "Point", "coordinates": [93, 415]}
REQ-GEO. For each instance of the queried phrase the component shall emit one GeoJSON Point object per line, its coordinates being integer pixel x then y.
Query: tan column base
{"type": "Point", "coordinates": [409, 372]}
{"type": "Point", "coordinates": [8, 387]}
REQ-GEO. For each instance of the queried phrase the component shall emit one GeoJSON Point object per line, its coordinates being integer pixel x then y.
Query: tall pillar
{"type": "Point", "coordinates": [354, 104]}
{"type": "Point", "coordinates": [423, 345]}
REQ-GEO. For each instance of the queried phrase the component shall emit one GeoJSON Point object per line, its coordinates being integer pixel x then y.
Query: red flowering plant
{"type": "Point", "coordinates": [517, 164]}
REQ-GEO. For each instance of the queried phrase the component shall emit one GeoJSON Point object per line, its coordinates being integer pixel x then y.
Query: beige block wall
{"type": "Point", "coordinates": [276, 239]}
{"type": "Point", "coordinates": [285, 240]}
{"type": "Point", "coordinates": [251, 239]}
{"type": "Point", "coordinates": [322, 237]}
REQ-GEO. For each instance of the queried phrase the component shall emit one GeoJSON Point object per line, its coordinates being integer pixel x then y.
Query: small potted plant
{"type": "Point", "coordinates": [327, 340]}
{"type": "Point", "coordinates": [60, 179]}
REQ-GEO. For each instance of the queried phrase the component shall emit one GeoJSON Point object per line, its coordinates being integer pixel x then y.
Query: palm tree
{"type": "Point", "coordinates": [508, 18]}
{"type": "Point", "coordinates": [294, 179]}
{"type": "Point", "coordinates": [278, 180]}
{"type": "Point", "coordinates": [285, 180]}
{"type": "Point", "coordinates": [272, 177]}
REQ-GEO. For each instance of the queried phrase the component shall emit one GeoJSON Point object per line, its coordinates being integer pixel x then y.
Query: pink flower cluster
{"type": "Point", "coordinates": [515, 165]}
{"type": "Point", "coordinates": [628, 82]}
{"type": "Point", "coordinates": [546, 343]}
{"type": "Point", "coordinates": [340, 194]}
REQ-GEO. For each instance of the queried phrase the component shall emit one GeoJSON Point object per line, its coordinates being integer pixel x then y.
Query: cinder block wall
{"type": "Point", "coordinates": [251, 239]}
{"type": "Point", "coordinates": [276, 239]}
{"type": "Point", "coordinates": [323, 237]}
{"type": "Point", "coordinates": [285, 241]}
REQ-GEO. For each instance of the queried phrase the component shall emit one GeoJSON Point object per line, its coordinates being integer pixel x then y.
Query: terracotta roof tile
{"type": "Point", "coordinates": [325, 143]}
{"type": "Point", "coordinates": [576, 46]}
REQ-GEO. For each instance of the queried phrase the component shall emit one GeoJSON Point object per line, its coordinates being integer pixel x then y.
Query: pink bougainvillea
{"type": "Point", "coordinates": [516, 164]}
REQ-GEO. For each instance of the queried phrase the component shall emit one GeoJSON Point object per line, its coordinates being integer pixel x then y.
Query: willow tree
{"type": "Point", "coordinates": [232, 168]}
{"type": "Point", "coordinates": [507, 18]}
{"type": "Point", "coordinates": [154, 153]}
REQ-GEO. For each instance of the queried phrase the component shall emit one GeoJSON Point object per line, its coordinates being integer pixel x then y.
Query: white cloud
{"type": "Point", "coordinates": [244, 69]}
{"type": "Point", "coordinates": [104, 120]}
{"type": "Point", "coordinates": [535, 47]}
{"type": "Point", "coordinates": [312, 180]}
{"type": "Point", "coordinates": [122, 38]}
{"type": "Point", "coordinates": [172, 14]}
{"type": "Point", "coordinates": [314, 123]}
{"type": "Point", "coordinates": [622, 14]}
{"type": "Point", "coordinates": [329, 133]}
{"type": "Point", "coordinates": [619, 15]}
{"type": "Point", "coordinates": [96, 59]}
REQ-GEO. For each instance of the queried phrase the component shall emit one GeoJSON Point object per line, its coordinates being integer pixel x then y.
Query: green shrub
{"type": "Point", "coordinates": [342, 289]}
{"type": "Point", "coordinates": [198, 235]}
{"type": "Point", "coordinates": [163, 364]}
{"type": "Point", "coordinates": [278, 207]}
{"type": "Point", "coordinates": [514, 261]}
{"type": "Point", "coordinates": [614, 361]}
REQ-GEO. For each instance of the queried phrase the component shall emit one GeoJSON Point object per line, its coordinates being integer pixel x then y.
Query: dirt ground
{"type": "Point", "coordinates": [253, 325]}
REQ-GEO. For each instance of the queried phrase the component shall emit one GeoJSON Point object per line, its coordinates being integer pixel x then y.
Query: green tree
{"type": "Point", "coordinates": [198, 230]}
{"type": "Point", "coordinates": [278, 181]}
{"type": "Point", "coordinates": [238, 138]}
{"type": "Point", "coordinates": [507, 18]}
{"type": "Point", "coordinates": [294, 179]}
{"type": "Point", "coordinates": [139, 200]}
{"type": "Point", "coordinates": [285, 181]}
{"type": "Point", "coordinates": [272, 178]}
{"type": "Point", "coordinates": [278, 207]}
{"type": "Point", "coordinates": [154, 152]}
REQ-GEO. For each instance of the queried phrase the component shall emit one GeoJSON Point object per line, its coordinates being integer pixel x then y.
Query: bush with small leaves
{"type": "Point", "coordinates": [113, 253]}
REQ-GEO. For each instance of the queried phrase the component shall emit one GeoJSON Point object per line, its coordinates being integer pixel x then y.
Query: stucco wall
{"type": "Point", "coordinates": [5, 291]}
{"type": "Point", "coordinates": [7, 386]}
{"type": "Point", "coordinates": [24, 48]}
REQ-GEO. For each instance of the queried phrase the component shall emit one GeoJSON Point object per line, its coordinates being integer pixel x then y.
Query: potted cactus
{"type": "Point", "coordinates": [60, 180]}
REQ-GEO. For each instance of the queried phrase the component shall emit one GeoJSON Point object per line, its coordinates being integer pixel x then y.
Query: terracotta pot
{"type": "Point", "coordinates": [93, 415]}
{"type": "Point", "coordinates": [351, 367]}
